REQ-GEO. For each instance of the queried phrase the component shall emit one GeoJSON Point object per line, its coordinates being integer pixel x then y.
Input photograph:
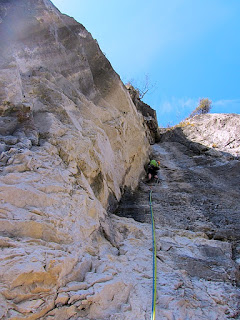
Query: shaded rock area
{"type": "Point", "coordinates": [197, 200]}
{"type": "Point", "coordinates": [149, 115]}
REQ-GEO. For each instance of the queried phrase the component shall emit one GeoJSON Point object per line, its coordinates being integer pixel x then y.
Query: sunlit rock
{"type": "Point", "coordinates": [71, 142]}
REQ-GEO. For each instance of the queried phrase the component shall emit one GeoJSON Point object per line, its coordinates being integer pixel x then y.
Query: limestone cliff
{"type": "Point", "coordinates": [71, 140]}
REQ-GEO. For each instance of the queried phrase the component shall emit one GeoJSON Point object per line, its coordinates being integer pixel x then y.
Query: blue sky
{"type": "Point", "coordinates": [188, 49]}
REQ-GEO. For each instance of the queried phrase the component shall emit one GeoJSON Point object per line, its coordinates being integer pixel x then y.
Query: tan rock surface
{"type": "Point", "coordinates": [71, 141]}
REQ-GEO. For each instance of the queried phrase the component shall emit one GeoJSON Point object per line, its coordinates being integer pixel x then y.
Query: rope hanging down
{"type": "Point", "coordinates": [154, 292]}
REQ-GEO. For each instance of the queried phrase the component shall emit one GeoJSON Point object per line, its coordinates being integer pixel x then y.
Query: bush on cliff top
{"type": "Point", "coordinates": [204, 107]}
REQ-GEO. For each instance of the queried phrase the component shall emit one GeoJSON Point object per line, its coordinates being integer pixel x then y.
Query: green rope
{"type": "Point", "coordinates": [154, 292]}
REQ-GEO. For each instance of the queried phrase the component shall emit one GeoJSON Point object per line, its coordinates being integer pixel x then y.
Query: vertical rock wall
{"type": "Point", "coordinates": [71, 140]}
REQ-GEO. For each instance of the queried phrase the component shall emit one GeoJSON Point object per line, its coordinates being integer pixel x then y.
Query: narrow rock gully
{"type": "Point", "coordinates": [196, 192]}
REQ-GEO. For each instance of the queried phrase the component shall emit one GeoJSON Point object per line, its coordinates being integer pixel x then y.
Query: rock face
{"type": "Point", "coordinates": [216, 135]}
{"type": "Point", "coordinates": [149, 115]}
{"type": "Point", "coordinates": [197, 213]}
{"type": "Point", "coordinates": [71, 140]}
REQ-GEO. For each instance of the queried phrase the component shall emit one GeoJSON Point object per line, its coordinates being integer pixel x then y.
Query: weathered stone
{"type": "Point", "coordinates": [215, 134]}
{"type": "Point", "coordinates": [78, 142]}
{"type": "Point", "coordinates": [79, 295]}
{"type": "Point", "coordinates": [2, 147]}
{"type": "Point", "coordinates": [63, 313]}
{"type": "Point", "coordinates": [11, 140]}
{"type": "Point", "coordinates": [180, 291]}
{"type": "Point", "coordinates": [61, 299]}
{"type": "Point", "coordinates": [198, 196]}
{"type": "Point", "coordinates": [3, 306]}
{"type": "Point", "coordinates": [29, 306]}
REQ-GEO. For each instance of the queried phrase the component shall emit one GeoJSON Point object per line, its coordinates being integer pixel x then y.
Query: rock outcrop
{"type": "Point", "coordinates": [212, 134]}
{"type": "Point", "coordinates": [71, 140]}
{"type": "Point", "coordinates": [197, 213]}
{"type": "Point", "coordinates": [149, 115]}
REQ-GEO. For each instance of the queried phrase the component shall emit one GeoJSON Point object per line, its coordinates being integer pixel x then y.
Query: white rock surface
{"type": "Point", "coordinates": [219, 132]}
{"type": "Point", "coordinates": [71, 140]}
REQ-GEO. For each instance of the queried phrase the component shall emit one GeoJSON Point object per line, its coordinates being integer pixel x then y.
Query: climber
{"type": "Point", "coordinates": [152, 169]}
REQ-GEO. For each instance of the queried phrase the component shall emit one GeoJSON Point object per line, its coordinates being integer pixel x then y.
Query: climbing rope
{"type": "Point", "coordinates": [154, 292]}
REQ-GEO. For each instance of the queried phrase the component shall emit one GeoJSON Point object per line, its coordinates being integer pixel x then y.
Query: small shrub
{"type": "Point", "coordinates": [204, 107]}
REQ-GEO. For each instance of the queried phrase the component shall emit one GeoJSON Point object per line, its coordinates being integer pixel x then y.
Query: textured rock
{"type": "Point", "coordinates": [197, 212]}
{"type": "Point", "coordinates": [186, 286]}
{"type": "Point", "coordinates": [214, 134]}
{"type": "Point", "coordinates": [149, 115]}
{"type": "Point", "coordinates": [71, 140]}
